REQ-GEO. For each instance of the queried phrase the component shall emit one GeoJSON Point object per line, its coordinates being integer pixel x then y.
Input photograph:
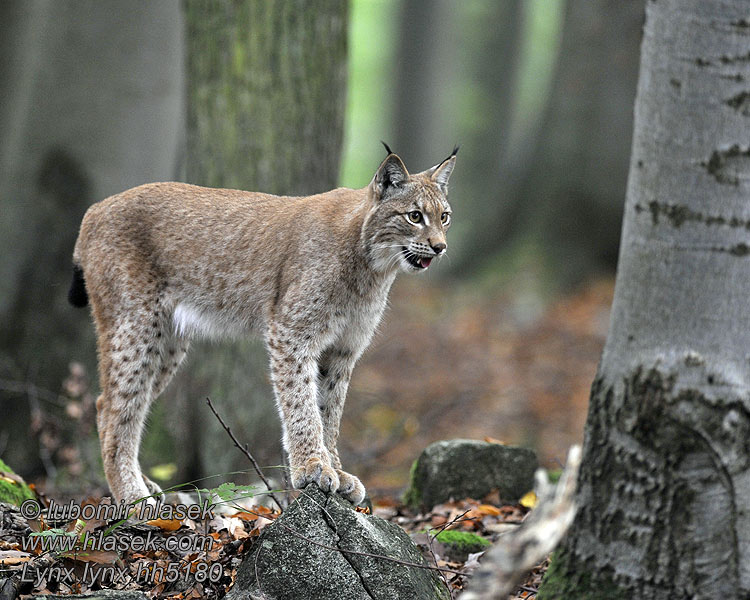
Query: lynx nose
{"type": "Point", "coordinates": [438, 248]}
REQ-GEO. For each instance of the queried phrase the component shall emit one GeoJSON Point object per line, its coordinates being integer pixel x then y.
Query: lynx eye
{"type": "Point", "coordinates": [414, 216]}
{"type": "Point", "coordinates": [445, 218]}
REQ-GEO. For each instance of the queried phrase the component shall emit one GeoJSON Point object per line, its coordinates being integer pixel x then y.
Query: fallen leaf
{"type": "Point", "coordinates": [491, 440]}
{"type": "Point", "coordinates": [9, 558]}
{"type": "Point", "coordinates": [246, 516]}
{"type": "Point", "coordinates": [528, 500]}
{"type": "Point", "coordinates": [101, 557]}
{"type": "Point", "coordinates": [166, 524]}
{"type": "Point", "coordinates": [488, 509]}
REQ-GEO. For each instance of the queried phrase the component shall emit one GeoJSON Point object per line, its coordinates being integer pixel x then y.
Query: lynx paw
{"type": "Point", "coordinates": [316, 471]}
{"type": "Point", "coordinates": [350, 487]}
{"type": "Point", "coordinates": [153, 488]}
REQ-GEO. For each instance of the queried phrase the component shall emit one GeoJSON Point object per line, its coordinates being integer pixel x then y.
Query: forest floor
{"type": "Point", "coordinates": [222, 541]}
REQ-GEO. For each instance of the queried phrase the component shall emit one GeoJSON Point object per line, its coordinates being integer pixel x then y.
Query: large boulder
{"type": "Point", "coordinates": [470, 469]}
{"type": "Point", "coordinates": [303, 555]}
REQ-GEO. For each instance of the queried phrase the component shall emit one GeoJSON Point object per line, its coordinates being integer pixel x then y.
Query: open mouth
{"type": "Point", "coordinates": [418, 262]}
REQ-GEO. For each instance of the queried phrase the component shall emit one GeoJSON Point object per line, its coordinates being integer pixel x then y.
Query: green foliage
{"type": "Point", "coordinates": [229, 492]}
{"type": "Point", "coordinates": [13, 492]}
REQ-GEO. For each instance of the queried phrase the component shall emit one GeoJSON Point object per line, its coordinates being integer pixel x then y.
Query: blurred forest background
{"type": "Point", "coordinates": [500, 339]}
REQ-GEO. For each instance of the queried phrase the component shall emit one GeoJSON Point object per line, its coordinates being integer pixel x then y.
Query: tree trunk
{"type": "Point", "coordinates": [266, 100]}
{"type": "Point", "coordinates": [566, 191]}
{"type": "Point", "coordinates": [266, 94]}
{"type": "Point", "coordinates": [90, 106]}
{"type": "Point", "coordinates": [435, 37]}
{"type": "Point", "coordinates": [666, 470]}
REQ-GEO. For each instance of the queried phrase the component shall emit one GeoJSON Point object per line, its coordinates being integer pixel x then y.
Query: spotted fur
{"type": "Point", "coordinates": [166, 262]}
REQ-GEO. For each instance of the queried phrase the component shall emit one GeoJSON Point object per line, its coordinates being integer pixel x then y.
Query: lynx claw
{"type": "Point", "coordinates": [316, 471]}
{"type": "Point", "coordinates": [350, 487]}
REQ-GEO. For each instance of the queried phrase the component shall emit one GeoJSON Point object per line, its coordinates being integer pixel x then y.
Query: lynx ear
{"type": "Point", "coordinates": [441, 172]}
{"type": "Point", "coordinates": [390, 174]}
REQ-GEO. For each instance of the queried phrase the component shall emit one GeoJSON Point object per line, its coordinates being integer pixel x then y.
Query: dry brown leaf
{"type": "Point", "coordinates": [246, 516]}
{"type": "Point", "coordinates": [9, 558]}
{"type": "Point", "coordinates": [101, 557]}
{"type": "Point", "coordinates": [8, 545]}
{"type": "Point", "coordinates": [261, 523]}
{"type": "Point", "coordinates": [166, 524]}
{"type": "Point", "coordinates": [488, 509]}
{"type": "Point", "coordinates": [491, 440]}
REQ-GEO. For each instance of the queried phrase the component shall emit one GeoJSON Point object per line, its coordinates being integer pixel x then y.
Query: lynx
{"type": "Point", "coordinates": [165, 262]}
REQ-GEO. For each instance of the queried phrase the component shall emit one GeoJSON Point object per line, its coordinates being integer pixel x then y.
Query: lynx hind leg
{"type": "Point", "coordinates": [136, 365]}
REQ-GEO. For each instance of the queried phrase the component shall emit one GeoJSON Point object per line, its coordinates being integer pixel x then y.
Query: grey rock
{"type": "Point", "coordinates": [282, 565]}
{"type": "Point", "coordinates": [470, 469]}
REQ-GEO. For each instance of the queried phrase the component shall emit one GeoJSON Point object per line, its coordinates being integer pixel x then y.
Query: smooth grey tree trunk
{"type": "Point", "coordinates": [90, 105]}
{"type": "Point", "coordinates": [665, 478]}
{"type": "Point", "coordinates": [265, 105]}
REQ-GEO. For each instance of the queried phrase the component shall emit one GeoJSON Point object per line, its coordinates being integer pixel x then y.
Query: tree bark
{"type": "Point", "coordinates": [90, 106]}
{"type": "Point", "coordinates": [266, 99]}
{"type": "Point", "coordinates": [266, 94]}
{"type": "Point", "coordinates": [666, 470]}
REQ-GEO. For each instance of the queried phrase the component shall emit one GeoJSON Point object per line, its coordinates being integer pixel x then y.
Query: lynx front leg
{"type": "Point", "coordinates": [335, 371]}
{"type": "Point", "coordinates": [293, 372]}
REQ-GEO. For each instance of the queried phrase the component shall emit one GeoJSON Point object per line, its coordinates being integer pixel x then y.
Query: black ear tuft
{"type": "Point", "coordinates": [387, 149]}
{"type": "Point", "coordinates": [442, 171]}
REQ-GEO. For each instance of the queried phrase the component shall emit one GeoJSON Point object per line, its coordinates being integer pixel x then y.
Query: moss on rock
{"type": "Point", "coordinates": [469, 468]}
{"type": "Point", "coordinates": [13, 489]}
{"type": "Point", "coordinates": [459, 544]}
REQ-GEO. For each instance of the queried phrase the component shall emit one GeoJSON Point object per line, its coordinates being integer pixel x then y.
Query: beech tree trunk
{"type": "Point", "coordinates": [91, 97]}
{"type": "Point", "coordinates": [665, 477]}
{"type": "Point", "coordinates": [265, 112]}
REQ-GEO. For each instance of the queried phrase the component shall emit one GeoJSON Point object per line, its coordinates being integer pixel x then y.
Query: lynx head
{"type": "Point", "coordinates": [409, 214]}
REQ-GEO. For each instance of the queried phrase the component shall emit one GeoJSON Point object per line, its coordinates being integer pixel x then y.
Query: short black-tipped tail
{"type": "Point", "coordinates": [77, 294]}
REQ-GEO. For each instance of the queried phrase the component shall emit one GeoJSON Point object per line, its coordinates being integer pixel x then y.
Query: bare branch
{"type": "Point", "coordinates": [246, 452]}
